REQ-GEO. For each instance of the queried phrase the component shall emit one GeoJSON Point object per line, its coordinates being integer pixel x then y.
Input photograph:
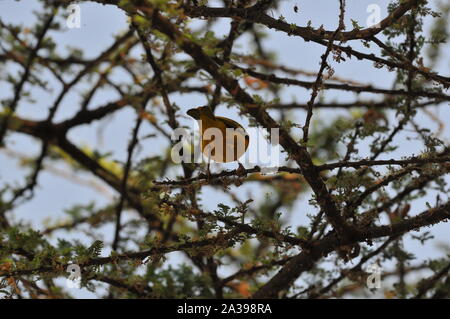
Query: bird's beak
{"type": "Point", "coordinates": [194, 113]}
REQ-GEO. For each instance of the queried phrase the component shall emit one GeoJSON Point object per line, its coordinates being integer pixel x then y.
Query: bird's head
{"type": "Point", "coordinates": [201, 110]}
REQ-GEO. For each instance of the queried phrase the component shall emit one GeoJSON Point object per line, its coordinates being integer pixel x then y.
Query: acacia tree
{"type": "Point", "coordinates": [361, 204]}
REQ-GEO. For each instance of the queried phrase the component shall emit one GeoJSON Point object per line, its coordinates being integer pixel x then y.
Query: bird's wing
{"type": "Point", "coordinates": [229, 123]}
{"type": "Point", "coordinates": [233, 124]}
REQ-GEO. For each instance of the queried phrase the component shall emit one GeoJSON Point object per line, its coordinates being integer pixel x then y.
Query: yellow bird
{"type": "Point", "coordinates": [222, 140]}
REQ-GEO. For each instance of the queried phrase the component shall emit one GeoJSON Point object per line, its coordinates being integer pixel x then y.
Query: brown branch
{"type": "Point", "coordinates": [28, 67]}
{"type": "Point", "coordinates": [318, 83]}
{"type": "Point", "coordinates": [344, 87]}
{"type": "Point", "coordinates": [254, 14]}
{"type": "Point", "coordinates": [428, 284]}
{"type": "Point", "coordinates": [217, 241]}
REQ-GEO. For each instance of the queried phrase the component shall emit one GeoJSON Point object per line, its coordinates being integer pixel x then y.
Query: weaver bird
{"type": "Point", "coordinates": [222, 140]}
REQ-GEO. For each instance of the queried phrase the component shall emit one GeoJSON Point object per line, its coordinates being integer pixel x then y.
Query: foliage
{"type": "Point", "coordinates": [343, 198]}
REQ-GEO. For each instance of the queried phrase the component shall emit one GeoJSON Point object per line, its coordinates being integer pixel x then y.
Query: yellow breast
{"type": "Point", "coordinates": [222, 140]}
